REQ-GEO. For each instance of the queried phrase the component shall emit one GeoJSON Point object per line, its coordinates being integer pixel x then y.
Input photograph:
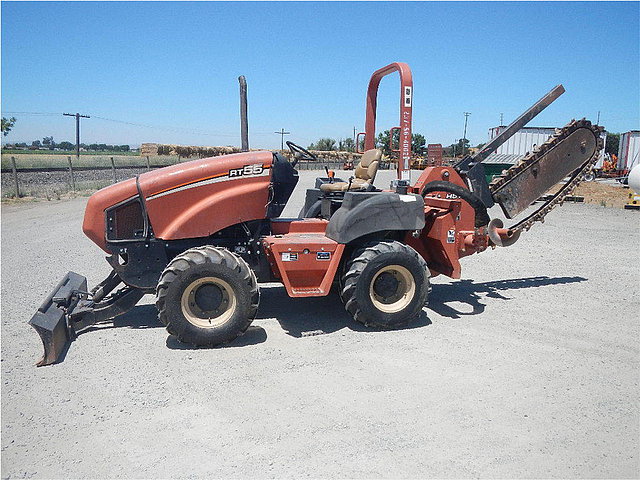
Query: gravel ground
{"type": "Point", "coordinates": [527, 367]}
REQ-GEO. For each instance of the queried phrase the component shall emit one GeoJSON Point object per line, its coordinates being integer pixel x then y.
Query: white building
{"type": "Point", "coordinates": [629, 150]}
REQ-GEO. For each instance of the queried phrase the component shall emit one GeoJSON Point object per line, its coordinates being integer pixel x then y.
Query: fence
{"type": "Point", "coordinates": [47, 175]}
{"type": "Point", "coordinates": [52, 175]}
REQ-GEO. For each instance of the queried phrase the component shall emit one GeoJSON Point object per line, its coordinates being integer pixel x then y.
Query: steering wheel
{"type": "Point", "coordinates": [300, 153]}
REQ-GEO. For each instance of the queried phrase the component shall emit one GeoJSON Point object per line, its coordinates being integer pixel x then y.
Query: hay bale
{"type": "Point", "coordinates": [149, 149]}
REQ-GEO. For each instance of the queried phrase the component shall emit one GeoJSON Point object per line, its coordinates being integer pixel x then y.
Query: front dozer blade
{"type": "Point", "coordinates": [50, 321]}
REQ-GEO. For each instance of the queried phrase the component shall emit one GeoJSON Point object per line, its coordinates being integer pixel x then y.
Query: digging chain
{"type": "Point", "coordinates": [568, 188]}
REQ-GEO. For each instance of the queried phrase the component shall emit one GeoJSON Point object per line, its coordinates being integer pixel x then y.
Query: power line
{"type": "Point", "coordinates": [32, 113]}
{"type": "Point", "coordinates": [155, 127]}
{"type": "Point", "coordinates": [171, 129]}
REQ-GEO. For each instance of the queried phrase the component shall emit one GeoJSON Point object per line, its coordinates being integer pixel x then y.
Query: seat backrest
{"type": "Point", "coordinates": [368, 165]}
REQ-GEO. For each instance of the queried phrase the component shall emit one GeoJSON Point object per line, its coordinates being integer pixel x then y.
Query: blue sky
{"type": "Point", "coordinates": [174, 66]}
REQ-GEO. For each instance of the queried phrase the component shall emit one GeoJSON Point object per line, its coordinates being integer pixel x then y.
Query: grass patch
{"type": "Point", "coordinates": [61, 161]}
{"type": "Point", "coordinates": [8, 151]}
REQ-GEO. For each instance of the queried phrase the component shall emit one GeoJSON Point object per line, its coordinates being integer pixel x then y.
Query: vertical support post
{"type": "Point", "coordinates": [464, 135]}
{"type": "Point", "coordinates": [244, 122]}
{"type": "Point", "coordinates": [15, 176]}
{"type": "Point", "coordinates": [78, 117]}
{"type": "Point", "coordinates": [73, 181]}
{"type": "Point", "coordinates": [113, 169]}
{"type": "Point", "coordinates": [148, 163]}
{"type": "Point", "coordinates": [77, 141]}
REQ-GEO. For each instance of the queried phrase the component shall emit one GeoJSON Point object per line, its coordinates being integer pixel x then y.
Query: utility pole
{"type": "Point", "coordinates": [244, 123]}
{"type": "Point", "coordinates": [282, 133]}
{"type": "Point", "coordinates": [464, 136]}
{"type": "Point", "coordinates": [354, 135]}
{"type": "Point", "coordinates": [78, 117]}
{"type": "Point", "coordinates": [501, 119]}
{"type": "Point", "coordinates": [598, 121]}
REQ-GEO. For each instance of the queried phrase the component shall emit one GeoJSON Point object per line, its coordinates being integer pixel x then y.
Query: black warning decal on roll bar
{"type": "Point", "coordinates": [407, 96]}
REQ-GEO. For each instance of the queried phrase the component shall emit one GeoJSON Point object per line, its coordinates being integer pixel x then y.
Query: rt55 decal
{"type": "Point", "coordinates": [246, 171]}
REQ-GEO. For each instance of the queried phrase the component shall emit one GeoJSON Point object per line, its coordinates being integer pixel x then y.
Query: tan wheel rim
{"type": "Point", "coordinates": [392, 288]}
{"type": "Point", "coordinates": [203, 311]}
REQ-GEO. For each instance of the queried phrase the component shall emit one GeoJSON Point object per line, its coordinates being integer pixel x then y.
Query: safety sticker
{"type": "Point", "coordinates": [451, 236]}
{"type": "Point", "coordinates": [289, 257]}
{"type": "Point", "coordinates": [323, 256]}
{"type": "Point", "coordinates": [407, 96]}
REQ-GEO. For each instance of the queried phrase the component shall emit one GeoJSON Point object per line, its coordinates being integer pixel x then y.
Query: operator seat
{"type": "Point", "coordinates": [365, 173]}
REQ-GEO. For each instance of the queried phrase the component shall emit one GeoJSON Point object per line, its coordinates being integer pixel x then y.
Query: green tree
{"type": "Point", "coordinates": [456, 148]}
{"type": "Point", "coordinates": [418, 144]}
{"type": "Point", "coordinates": [382, 142]}
{"type": "Point", "coordinates": [613, 143]}
{"type": "Point", "coordinates": [324, 145]}
{"type": "Point", "coordinates": [7, 125]}
{"type": "Point", "coordinates": [48, 141]}
{"type": "Point", "coordinates": [66, 145]}
{"type": "Point", "coordinates": [346, 145]}
{"type": "Point", "coordinates": [35, 143]}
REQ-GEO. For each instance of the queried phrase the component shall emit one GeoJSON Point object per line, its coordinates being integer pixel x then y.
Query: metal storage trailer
{"type": "Point", "coordinates": [629, 150]}
{"type": "Point", "coordinates": [523, 142]}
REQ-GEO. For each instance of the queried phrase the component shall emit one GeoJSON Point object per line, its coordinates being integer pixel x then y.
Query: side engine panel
{"type": "Point", "coordinates": [199, 198]}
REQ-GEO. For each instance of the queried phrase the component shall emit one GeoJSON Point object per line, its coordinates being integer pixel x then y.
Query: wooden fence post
{"type": "Point", "coordinates": [15, 176]}
{"type": "Point", "coordinates": [73, 181]}
{"type": "Point", "coordinates": [113, 170]}
{"type": "Point", "coordinates": [148, 164]}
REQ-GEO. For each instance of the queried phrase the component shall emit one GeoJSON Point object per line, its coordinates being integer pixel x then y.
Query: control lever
{"type": "Point", "coordinates": [349, 186]}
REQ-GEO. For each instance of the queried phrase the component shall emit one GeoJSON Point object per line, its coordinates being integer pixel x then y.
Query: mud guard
{"type": "Point", "coordinates": [363, 213]}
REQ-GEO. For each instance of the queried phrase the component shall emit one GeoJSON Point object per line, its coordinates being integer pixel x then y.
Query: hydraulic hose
{"type": "Point", "coordinates": [482, 217]}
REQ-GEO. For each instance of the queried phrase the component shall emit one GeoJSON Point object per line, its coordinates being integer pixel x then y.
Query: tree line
{"type": "Point", "coordinates": [418, 143]}
{"type": "Point", "coordinates": [47, 143]}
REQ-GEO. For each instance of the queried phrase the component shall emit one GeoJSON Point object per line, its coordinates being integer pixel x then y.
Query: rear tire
{"type": "Point", "coordinates": [385, 285]}
{"type": "Point", "coordinates": [207, 296]}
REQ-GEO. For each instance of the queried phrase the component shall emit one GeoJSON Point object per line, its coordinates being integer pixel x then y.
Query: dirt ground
{"type": "Point", "coordinates": [526, 367]}
{"type": "Point", "coordinates": [606, 193]}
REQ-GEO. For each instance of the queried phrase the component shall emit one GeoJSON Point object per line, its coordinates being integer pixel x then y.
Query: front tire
{"type": "Point", "coordinates": [385, 285]}
{"type": "Point", "coordinates": [207, 296]}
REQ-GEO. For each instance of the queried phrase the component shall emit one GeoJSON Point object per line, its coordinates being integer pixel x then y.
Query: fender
{"type": "Point", "coordinates": [363, 213]}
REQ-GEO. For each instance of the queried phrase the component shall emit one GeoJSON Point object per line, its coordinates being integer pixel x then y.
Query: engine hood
{"type": "Point", "coordinates": [190, 199]}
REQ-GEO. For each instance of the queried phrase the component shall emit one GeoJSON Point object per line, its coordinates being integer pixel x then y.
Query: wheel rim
{"type": "Point", "coordinates": [208, 302]}
{"type": "Point", "coordinates": [392, 288]}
